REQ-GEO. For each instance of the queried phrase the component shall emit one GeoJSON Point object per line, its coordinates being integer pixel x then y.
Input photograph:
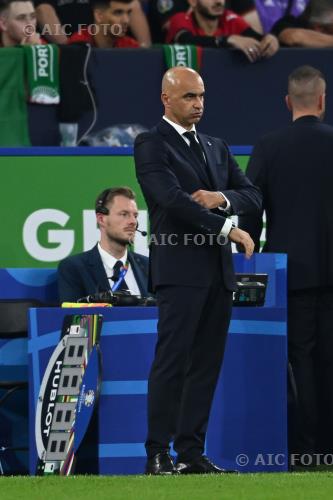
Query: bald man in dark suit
{"type": "Point", "coordinates": [191, 184]}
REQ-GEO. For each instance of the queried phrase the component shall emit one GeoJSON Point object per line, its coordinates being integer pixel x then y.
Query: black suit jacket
{"type": "Point", "coordinates": [84, 274]}
{"type": "Point", "coordinates": [169, 172]}
{"type": "Point", "coordinates": [294, 169]}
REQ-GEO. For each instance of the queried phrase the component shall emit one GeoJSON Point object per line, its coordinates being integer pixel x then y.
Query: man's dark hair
{"type": "Point", "coordinates": [107, 196]}
{"type": "Point", "coordinates": [4, 4]}
{"type": "Point", "coordinates": [305, 74]}
{"type": "Point", "coordinates": [105, 4]}
{"type": "Point", "coordinates": [305, 83]}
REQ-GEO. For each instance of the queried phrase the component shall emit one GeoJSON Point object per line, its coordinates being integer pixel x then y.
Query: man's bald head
{"type": "Point", "coordinates": [306, 85]}
{"type": "Point", "coordinates": [183, 96]}
{"type": "Point", "coordinates": [177, 76]}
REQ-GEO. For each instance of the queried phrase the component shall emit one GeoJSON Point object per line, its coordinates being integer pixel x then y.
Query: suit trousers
{"type": "Point", "coordinates": [310, 346]}
{"type": "Point", "coordinates": [192, 329]}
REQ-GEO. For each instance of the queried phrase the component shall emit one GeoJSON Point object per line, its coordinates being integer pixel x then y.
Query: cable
{"type": "Point", "coordinates": [91, 95]}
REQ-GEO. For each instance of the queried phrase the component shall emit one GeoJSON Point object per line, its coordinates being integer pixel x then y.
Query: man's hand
{"type": "Point", "coordinates": [250, 46]}
{"type": "Point", "coordinates": [242, 238]}
{"type": "Point", "coordinates": [269, 45]}
{"type": "Point", "coordinates": [209, 199]}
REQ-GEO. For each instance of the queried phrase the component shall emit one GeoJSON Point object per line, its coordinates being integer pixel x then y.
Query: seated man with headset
{"type": "Point", "coordinates": [109, 265]}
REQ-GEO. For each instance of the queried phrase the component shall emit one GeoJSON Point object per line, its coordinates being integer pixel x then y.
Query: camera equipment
{"type": "Point", "coordinates": [251, 290]}
{"type": "Point", "coordinates": [121, 298]}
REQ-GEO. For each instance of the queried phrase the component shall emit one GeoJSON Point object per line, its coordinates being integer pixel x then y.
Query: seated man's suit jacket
{"type": "Point", "coordinates": [84, 274]}
{"type": "Point", "coordinates": [169, 172]}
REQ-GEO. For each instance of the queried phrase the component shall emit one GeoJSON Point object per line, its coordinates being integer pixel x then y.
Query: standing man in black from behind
{"type": "Point", "coordinates": [191, 183]}
{"type": "Point", "coordinates": [293, 168]}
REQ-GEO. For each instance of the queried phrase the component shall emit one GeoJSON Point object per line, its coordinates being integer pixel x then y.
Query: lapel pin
{"type": "Point", "coordinates": [209, 143]}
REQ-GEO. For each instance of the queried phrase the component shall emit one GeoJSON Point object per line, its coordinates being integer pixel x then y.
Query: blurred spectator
{"type": "Point", "coordinates": [111, 21]}
{"type": "Point", "coordinates": [262, 14]}
{"type": "Point", "coordinates": [18, 23]}
{"type": "Point", "coordinates": [247, 9]}
{"type": "Point", "coordinates": [313, 28]}
{"type": "Point", "coordinates": [62, 18]}
{"type": "Point", "coordinates": [59, 18]}
{"type": "Point", "coordinates": [159, 13]}
{"type": "Point", "coordinates": [270, 11]}
{"type": "Point", "coordinates": [209, 24]}
{"type": "Point", "coordinates": [139, 25]}
{"type": "Point", "coordinates": [259, 14]}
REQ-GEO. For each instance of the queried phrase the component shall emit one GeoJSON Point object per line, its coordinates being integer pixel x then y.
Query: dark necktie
{"type": "Point", "coordinates": [195, 146]}
{"type": "Point", "coordinates": [116, 274]}
{"type": "Point", "coordinates": [198, 151]}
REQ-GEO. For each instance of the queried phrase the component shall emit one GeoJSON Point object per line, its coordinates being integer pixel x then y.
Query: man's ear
{"type": "Point", "coordinates": [321, 103]}
{"type": "Point", "coordinates": [288, 102]}
{"type": "Point", "coordinates": [165, 99]}
{"type": "Point", "coordinates": [99, 219]}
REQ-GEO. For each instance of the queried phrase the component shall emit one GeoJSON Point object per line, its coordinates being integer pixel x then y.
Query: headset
{"type": "Point", "coordinates": [102, 209]}
{"type": "Point", "coordinates": [100, 203]}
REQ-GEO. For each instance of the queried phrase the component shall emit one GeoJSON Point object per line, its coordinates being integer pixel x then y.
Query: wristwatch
{"type": "Point", "coordinates": [233, 226]}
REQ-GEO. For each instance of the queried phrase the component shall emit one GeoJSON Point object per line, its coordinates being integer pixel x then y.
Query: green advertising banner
{"type": "Point", "coordinates": [47, 205]}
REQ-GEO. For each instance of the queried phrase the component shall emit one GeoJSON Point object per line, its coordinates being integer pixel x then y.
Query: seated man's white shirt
{"type": "Point", "coordinates": [109, 262]}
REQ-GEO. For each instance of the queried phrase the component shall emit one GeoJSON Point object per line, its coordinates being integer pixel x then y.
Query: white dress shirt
{"type": "Point", "coordinates": [228, 225]}
{"type": "Point", "coordinates": [109, 262]}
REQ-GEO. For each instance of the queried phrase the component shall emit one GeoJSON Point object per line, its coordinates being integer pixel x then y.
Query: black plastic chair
{"type": "Point", "coordinates": [13, 325]}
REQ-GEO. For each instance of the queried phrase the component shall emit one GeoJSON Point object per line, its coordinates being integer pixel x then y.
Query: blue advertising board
{"type": "Point", "coordinates": [249, 414]}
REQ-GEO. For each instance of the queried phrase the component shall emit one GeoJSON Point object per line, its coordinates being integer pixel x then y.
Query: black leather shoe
{"type": "Point", "coordinates": [200, 465]}
{"type": "Point", "coordinates": [161, 464]}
